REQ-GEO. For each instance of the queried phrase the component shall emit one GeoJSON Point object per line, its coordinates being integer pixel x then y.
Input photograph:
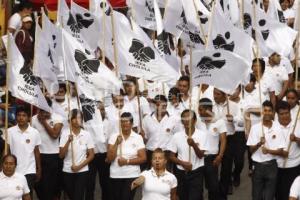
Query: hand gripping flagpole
{"type": "Point", "coordinates": [6, 93]}
{"type": "Point", "coordinates": [290, 142]}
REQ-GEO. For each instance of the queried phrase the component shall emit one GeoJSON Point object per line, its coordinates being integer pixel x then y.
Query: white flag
{"type": "Point", "coordinates": [62, 12]}
{"type": "Point", "coordinates": [87, 70]}
{"type": "Point", "coordinates": [22, 83]}
{"type": "Point", "coordinates": [99, 6]}
{"type": "Point", "coordinates": [136, 53]}
{"type": "Point", "coordinates": [143, 13]}
{"type": "Point", "coordinates": [219, 68]}
{"type": "Point", "coordinates": [224, 35]}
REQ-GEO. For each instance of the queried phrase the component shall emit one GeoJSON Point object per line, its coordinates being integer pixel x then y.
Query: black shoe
{"type": "Point", "coordinates": [230, 190]}
{"type": "Point", "coordinates": [236, 181]}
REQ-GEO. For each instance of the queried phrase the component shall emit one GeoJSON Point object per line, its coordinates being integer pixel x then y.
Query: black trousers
{"type": "Point", "coordinates": [121, 188]}
{"type": "Point", "coordinates": [190, 184]}
{"type": "Point", "coordinates": [49, 185]}
{"type": "Point", "coordinates": [285, 179]}
{"type": "Point", "coordinates": [75, 184]}
{"type": "Point", "coordinates": [98, 165]}
{"type": "Point", "coordinates": [31, 178]}
{"type": "Point", "coordinates": [211, 177]}
{"type": "Point", "coordinates": [264, 180]}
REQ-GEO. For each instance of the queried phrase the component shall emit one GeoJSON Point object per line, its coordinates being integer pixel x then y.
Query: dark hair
{"type": "Point", "coordinates": [206, 103]}
{"type": "Point", "coordinates": [158, 150]}
{"type": "Point", "coordinates": [127, 115]}
{"type": "Point", "coordinates": [292, 90]}
{"type": "Point", "coordinates": [10, 155]}
{"type": "Point", "coordinates": [252, 78]}
{"type": "Point", "coordinates": [74, 113]}
{"type": "Point", "coordinates": [131, 80]}
{"type": "Point", "coordinates": [187, 111]}
{"type": "Point", "coordinates": [282, 105]}
{"type": "Point", "coordinates": [23, 108]}
{"type": "Point", "coordinates": [184, 78]}
{"type": "Point", "coordinates": [49, 101]}
{"type": "Point", "coordinates": [268, 104]}
{"type": "Point", "coordinates": [160, 97]}
{"type": "Point", "coordinates": [174, 91]}
{"type": "Point", "coordinates": [25, 5]}
{"type": "Point", "coordinates": [261, 62]}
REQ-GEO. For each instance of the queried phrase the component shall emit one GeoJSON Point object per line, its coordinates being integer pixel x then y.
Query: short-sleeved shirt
{"type": "Point", "coordinates": [179, 145]}
{"type": "Point", "coordinates": [81, 144]}
{"type": "Point", "coordinates": [14, 187]}
{"type": "Point", "coordinates": [22, 145]}
{"type": "Point", "coordinates": [15, 21]}
{"type": "Point", "coordinates": [274, 141]}
{"type": "Point", "coordinates": [295, 188]}
{"type": "Point", "coordinates": [130, 148]}
{"type": "Point", "coordinates": [49, 145]}
{"type": "Point", "coordinates": [278, 74]}
{"type": "Point", "coordinates": [160, 133]}
{"type": "Point", "coordinates": [212, 131]}
{"type": "Point", "coordinates": [158, 187]}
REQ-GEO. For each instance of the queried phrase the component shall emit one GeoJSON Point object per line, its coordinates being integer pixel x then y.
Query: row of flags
{"type": "Point", "coordinates": [220, 47]}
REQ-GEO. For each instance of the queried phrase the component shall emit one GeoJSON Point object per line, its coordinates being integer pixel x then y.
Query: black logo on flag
{"type": "Point", "coordinates": [220, 42]}
{"type": "Point", "coordinates": [247, 21]}
{"type": "Point", "coordinates": [87, 66]}
{"type": "Point", "coordinates": [281, 16]}
{"type": "Point", "coordinates": [183, 17]}
{"type": "Point", "coordinates": [209, 63]}
{"type": "Point", "coordinates": [140, 52]}
{"type": "Point", "coordinates": [203, 19]}
{"type": "Point", "coordinates": [163, 45]}
{"type": "Point", "coordinates": [28, 76]}
{"type": "Point", "coordinates": [50, 56]}
{"type": "Point", "coordinates": [195, 38]}
{"type": "Point", "coordinates": [79, 22]}
{"type": "Point", "coordinates": [88, 107]}
{"type": "Point", "coordinates": [150, 8]}
{"type": "Point", "coordinates": [107, 10]}
{"type": "Point", "coordinates": [265, 33]}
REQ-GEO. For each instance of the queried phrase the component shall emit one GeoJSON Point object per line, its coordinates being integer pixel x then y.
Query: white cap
{"type": "Point", "coordinates": [27, 19]}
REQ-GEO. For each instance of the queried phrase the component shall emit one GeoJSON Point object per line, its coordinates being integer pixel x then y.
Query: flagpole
{"type": "Point", "coordinates": [290, 142]}
{"type": "Point", "coordinates": [190, 101]}
{"type": "Point", "coordinates": [199, 21]}
{"type": "Point", "coordinates": [6, 95]}
{"type": "Point", "coordinates": [181, 56]}
{"type": "Point", "coordinates": [210, 23]}
{"type": "Point", "coordinates": [297, 51]}
{"type": "Point", "coordinates": [104, 35]}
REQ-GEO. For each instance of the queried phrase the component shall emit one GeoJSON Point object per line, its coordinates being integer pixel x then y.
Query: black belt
{"type": "Point", "coordinates": [270, 162]}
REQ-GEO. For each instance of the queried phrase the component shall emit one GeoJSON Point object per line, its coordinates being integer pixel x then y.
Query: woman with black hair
{"type": "Point", "coordinates": [77, 150]}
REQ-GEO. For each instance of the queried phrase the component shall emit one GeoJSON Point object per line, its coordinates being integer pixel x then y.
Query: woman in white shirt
{"type": "Point", "coordinates": [77, 150]}
{"type": "Point", "coordinates": [157, 182]}
{"type": "Point", "coordinates": [13, 186]}
{"type": "Point", "coordinates": [126, 151]}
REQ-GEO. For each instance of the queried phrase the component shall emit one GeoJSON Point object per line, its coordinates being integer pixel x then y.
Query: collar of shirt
{"type": "Point", "coordinates": [3, 176]}
{"type": "Point", "coordinates": [153, 172]}
{"type": "Point", "coordinates": [22, 132]}
{"type": "Point", "coordinates": [153, 115]}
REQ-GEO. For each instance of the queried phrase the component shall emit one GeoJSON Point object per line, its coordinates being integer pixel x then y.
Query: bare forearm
{"type": "Point", "coordinates": [52, 132]}
{"type": "Point", "coordinates": [223, 141]}
{"type": "Point", "coordinates": [63, 151]}
{"type": "Point", "coordinates": [198, 151]}
{"type": "Point", "coordinates": [112, 153]}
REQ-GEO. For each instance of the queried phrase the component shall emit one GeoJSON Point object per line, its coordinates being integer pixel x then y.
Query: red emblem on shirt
{"type": "Point", "coordinates": [168, 130]}
{"type": "Point", "coordinates": [274, 136]}
{"type": "Point", "coordinates": [27, 141]}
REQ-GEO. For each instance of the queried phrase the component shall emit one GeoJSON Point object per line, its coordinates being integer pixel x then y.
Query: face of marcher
{"type": "Point", "coordinates": [159, 161]}
{"type": "Point", "coordinates": [126, 124]}
{"type": "Point", "coordinates": [284, 116]}
{"type": "Point", "coordinates": [292, 99]}
{"type": "Point", "coordinates": [9, 166]}
{"type": "Point", "coordinates": [22, 118]}
{"type": "Point", "coordinates": [219, 96]}
{"type": "Point", "coordinates": [77, 121]}
{"type": "Point", "coordinates": [183, 87]}
{"type": "Point", "coordinates": [187, 120]}
{"type": "Point", "coordinates": [268, 114]}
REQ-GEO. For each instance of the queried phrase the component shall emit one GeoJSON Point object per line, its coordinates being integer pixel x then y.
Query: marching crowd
{"type": "Point", "coordinates": [173, 141]}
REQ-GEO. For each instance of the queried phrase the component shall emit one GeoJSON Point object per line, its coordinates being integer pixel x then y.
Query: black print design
{"type": "Point", "coordinates": [28, 76]}
{"type": "Point", "coordinates": [80, 22]}
{"type": "Point", "coordinates": [195, 38]}
{"type": "Point", "coordinates": [50, 56]}
{"type": "Point", "coordinates": [88, 107]}
{"type": "Point", "coordinates": [209, 63]}
{"type": "Point", "coordinates": [247, 21]}
{"type": "Point", "coordinates": [203, 19]}
{"type": "Point", "coordinates": [163, 45]}
{"type": "Point", "coordinates": [183, 17]}
{"type": "Point", "coordinates": [281, 16]}
{"type": "Point", "coordinates": [220, 42]}
{"type": "Point", "coordinates": [265, 33]}
{"type": "Point", "coordinates": [87, 66]}
{"type": "Point", "coordinates": [107, 10]}
{"type": "Point", "coordinates": [140, 52]}
{"type": "Point", "coordinates": [150, 7]}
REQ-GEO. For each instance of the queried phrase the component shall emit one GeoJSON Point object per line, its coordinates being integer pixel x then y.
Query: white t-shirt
{"type": "Point", "coordinates": [49, 145]}
{"type": "Point", "coordinates": [81, 144]}
{"type": "Point", "coordinates": [130, 148]}
{"type": "Point", "coordinates": [22, 145]}
{"type": "Point", "coordinates": [14, 187]}
{"type": "Point", "coordinates": [179, 145]}
{"type": "Point", "coordinates": [15, 21]}
{"type": "Point", "coordinates": [274, 141]}
{"type": "Point", "coordinates": [212, 132]}
{"type": "Point", "coordinates": [295, 188]}
{"type": "Point", "coordinates": [175, 111]}
{"type": "Point", "coordinates": [278, 74]}
{"type": "Point", "coordinates": [158, 188]}
{"type": "Point", "coordinates": [155, 88]}
{"type": "Point", "coordinates": [160, 133]}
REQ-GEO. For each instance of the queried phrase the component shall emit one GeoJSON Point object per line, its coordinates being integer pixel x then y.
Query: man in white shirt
{"type": "Point", "coordinates": [23, 142]}
{"type": "Point", "coordinates": [49, 126]}
{"type": "Point", "coordinates": [295, 189]}
{"type": "Point", "coordinates": [189, 145]}
{"type": "Point", "coordinates": [289, 164]}
{"type": "Point", "coordinates": [265, 146]}
{"type": "Point", "coordinates": [215, 131]}
{"type": "Point", "coordinates": [15, 21]}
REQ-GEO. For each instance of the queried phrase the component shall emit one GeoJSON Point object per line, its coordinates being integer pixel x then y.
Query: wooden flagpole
{"type": "Point", "coordinates": [6, 94]}
{"type": "Point", "coordinates": [210, 24]}
{"type": "Point", "coordinates": [297, 50]}
{"type": "Point", "coordinates": [103, 31]}
{"type": "Point", "coordinates": [190, 101]}
{"type": "Point", "coordinates": [290, 142]}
